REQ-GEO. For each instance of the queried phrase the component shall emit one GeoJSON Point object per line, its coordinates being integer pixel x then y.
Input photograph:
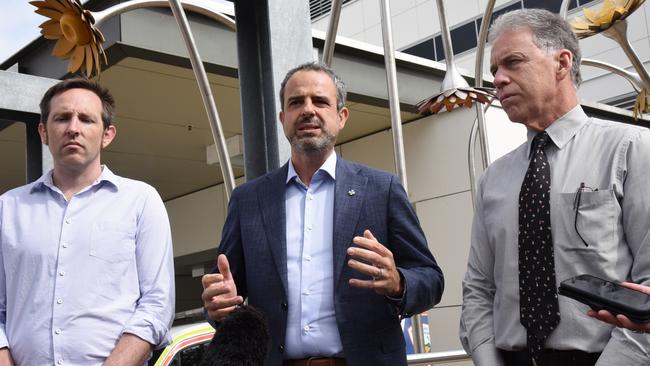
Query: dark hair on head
{"type": "Point", "coordinates": [550, 33]}
{"type": "Point", "coordinates": [317, 66]}
{"type": "Point", "coordinates": [108, 102]}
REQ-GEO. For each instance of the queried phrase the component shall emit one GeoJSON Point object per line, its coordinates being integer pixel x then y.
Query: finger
{"type": "Point", "coordinates": [220, 314]}
{"type": "Point", "coordinates": [223, 302]}
{"type": "Point", "coordinates": [637, 287]}
{"type": "Point", "coordinates": [366, 269]}
{"type": "Point", "coordinates": [607, 317]}
{"type": "Point", "coordinates": [211, 278]}
{"type": "Point", "coordinates": [224, 267]}
{"type": "Point", "coordinates": [367, 256]}
{"type": "Point", "coordinates": [354, 282]}
{"type": "Point", "coordinates": [219, 289]}
{"type": "Point", "coordinates": [368, 235]}
{"type": "Point", "coordinates": [371, 244]}
{"type": "Point", "coordinates": [629, 324]}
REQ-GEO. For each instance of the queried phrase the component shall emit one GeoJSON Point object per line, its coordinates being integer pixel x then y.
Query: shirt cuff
{"type": "Point", "coordinates": [150, 330]}
{"type": "Point", "coordinates": [487, 354]}
{"type": "Point", "coordinates": [4, 342]}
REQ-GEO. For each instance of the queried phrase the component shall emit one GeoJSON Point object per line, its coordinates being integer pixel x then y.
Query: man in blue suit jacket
{"type": "Point", "coordinates": [330, 251]}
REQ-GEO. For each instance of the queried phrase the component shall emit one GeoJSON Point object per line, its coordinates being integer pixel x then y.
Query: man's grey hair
{"type": "Point", "coordinates": [550, 33]}
{"type": "Point", "coordinates": [316, 66]}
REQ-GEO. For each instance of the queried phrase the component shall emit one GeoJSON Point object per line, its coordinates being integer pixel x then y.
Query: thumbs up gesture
{"type": "Point", "coordinates": [219, 291]}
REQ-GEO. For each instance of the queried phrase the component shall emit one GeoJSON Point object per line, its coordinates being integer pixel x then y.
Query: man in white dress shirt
{"type": "Point", "coordinates": [86, 264]}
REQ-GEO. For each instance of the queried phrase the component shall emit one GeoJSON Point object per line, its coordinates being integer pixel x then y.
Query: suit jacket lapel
{"type": "Point", "coordinates": [270, 194]}
{"type": "Point", "coordinates": [349, 193]}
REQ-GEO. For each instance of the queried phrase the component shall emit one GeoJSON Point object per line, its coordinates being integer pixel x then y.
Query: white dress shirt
{"type": "Point", "coordinates": [75, 275]}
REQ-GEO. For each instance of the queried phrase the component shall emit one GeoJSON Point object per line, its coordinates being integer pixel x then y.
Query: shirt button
{"type": "Point", "coordinates": [68, 221]}
{"type": "Point", "coordinates": [59, 301]}
{"type": "Point", "coordinates": [65, 245]}
{"type": "Point", "coordinates": [309, 227]}
{"type": "Point", "coordinates": [60, 362]}
{"type": "Point", "coordinates": [58, 331]}
{"type": "Point", "coordinates": [306, 328]}
{"type": "Point", "coordinates": [308, 258]}
{"type": "Point", "coordinates": [281, 348]}
{"type": "Point", "coordinates": [62, 273]}
{"type": "Point", "coordinates": [285, 306]}
{"type": "Point", "coordinates": [307, 292]}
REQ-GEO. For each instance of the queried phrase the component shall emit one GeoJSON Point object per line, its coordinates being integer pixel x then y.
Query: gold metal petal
{"type": "Point", "coordinates": [89, 59]}
{"type": "Point", "coordinates": [65, 3]}
{"type": "Point", "coordinates": [51, 29]}
{"type": "Point", "coordinates": [62, 48]}
{"type": "Point", "coordinates": [50, 13]}
{"type": "Point", "coordinates": [76, 60]}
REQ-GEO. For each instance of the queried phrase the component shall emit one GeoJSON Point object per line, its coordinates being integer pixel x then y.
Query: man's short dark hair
{"type": "Point", "coordinates": [550, 33]}
{"type": "Point", "coordinates": [108, 102]}
{"type": "Point", "coordinates": [319, 67]}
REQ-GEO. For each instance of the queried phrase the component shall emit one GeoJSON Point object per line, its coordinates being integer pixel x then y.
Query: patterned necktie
{"type": "Point", "coordinates": [538, 305]}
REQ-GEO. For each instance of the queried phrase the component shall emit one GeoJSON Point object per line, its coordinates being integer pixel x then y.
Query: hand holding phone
{"type": "Point", "coordinates": [613, 297]}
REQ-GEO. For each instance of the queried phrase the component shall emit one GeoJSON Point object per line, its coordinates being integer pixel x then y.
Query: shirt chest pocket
{"type": "Point", "coordinates": [589, 219]}
{"type": "Point", "coordinates": [113, 241]}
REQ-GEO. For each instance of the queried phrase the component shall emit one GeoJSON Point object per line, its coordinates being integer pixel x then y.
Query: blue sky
{"type": "Point", "coordinates": [18, 27]}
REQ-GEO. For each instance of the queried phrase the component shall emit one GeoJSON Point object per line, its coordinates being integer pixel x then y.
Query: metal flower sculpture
{"type": "Point", "coordinates": [454, 91]}
{"type": "Point", "coordinates": [77, 38]}
{"type": "Point", "coordinates": [596, 21]}
{"type": "Point", "coordinates": [456, 97]}
{"type": "Point", "coordinates": [610, 19]}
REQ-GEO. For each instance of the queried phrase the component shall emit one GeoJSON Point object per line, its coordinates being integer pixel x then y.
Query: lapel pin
{"type": "Point", "coordinates": [351, 192]}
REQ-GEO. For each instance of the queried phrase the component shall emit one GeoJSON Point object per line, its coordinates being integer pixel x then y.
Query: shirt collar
{"type": "Point", "coordinates": [329, 167]}
{"type": "Point", "coordinates": [46, 180]}
{"type": "Point", "coordinates": [563, 129]}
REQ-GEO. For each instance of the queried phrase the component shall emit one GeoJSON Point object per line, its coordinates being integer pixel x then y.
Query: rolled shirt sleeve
{"type": "Point", "coordinates": [154, 259]}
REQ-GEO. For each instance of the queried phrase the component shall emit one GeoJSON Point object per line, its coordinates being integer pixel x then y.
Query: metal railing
{"type": "Point", "coordinates": [419, 359]}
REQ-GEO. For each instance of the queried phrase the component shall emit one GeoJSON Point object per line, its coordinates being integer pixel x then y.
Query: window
{"type": "Point", "coordinates": [464, 37]}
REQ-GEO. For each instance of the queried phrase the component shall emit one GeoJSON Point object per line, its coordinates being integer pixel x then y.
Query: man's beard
{"type": "Point", "coordinates": [311, 144]}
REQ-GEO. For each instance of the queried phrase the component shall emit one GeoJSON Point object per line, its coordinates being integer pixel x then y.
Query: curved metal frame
{"type": "Point", "coordinates": [207, 8]}
{"type": "Point", "coordinates": [210, 10]}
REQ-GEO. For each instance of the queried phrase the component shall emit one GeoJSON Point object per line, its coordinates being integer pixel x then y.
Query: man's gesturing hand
{"type": "Point", "coordinates": [219, 291]}
{"type": "Point", "coordinates": [375, 260]}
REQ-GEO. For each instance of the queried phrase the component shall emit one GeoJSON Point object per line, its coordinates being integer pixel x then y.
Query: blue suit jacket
{"type": "Point", "coordinates": [254, 240]}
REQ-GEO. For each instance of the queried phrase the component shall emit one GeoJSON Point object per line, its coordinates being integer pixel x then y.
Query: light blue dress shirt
{"type": "Point", "coordinates": [311, 322]}
{"type": "Point", "coordinates": [75, 275]}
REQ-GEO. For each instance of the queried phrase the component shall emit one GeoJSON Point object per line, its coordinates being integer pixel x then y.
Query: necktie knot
{"type": "Point", "coordinates": [540, 140]}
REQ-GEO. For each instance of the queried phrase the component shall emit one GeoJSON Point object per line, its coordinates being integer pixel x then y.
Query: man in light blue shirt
{"type": "Point", "coordinates": [330, 251]}
{"type": "Point", "coordinates": [86, 264]}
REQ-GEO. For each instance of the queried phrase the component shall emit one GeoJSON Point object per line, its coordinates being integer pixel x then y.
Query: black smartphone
{"type": "Point", "coordinates": [602, 294]}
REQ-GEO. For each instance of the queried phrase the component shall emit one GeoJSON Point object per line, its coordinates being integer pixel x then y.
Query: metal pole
{"type": "Point", "coordinates": [478, 80]}
{"type": "Point", "coordinates": [398, 140]}
{"type": "Point", "coordinates": [393, 96]}
{"type": "Point", "coordinates": [206, 95]}
{"type": "Point", "coordinates": [480, 112]}
{"type": "Point", "coordinates": [330, 39]}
